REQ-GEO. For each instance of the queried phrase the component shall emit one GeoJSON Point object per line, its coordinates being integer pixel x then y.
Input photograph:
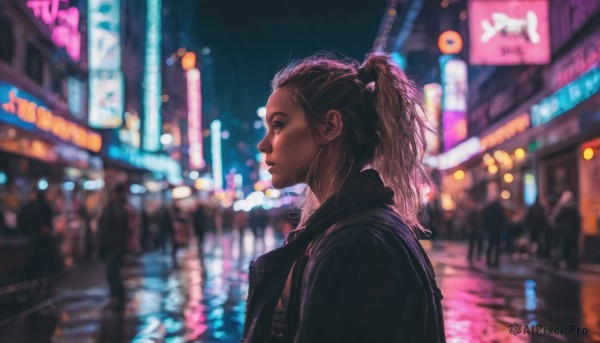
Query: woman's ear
{"type": "Point", "coordinates": [332, 128]}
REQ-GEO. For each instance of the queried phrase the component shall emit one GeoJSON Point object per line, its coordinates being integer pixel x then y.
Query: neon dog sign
{"type": "Point", "coordinates": [63, 24]}
{"type": "Point", "coordinates": [509, 32]}
{"type": "Point", "coordinates": [507, 26]}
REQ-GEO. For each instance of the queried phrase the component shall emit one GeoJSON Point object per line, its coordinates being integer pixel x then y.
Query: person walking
{"type": "Point", "coordinates": [494, 222]}
{"type": "Point", "coordinates": [537, 223]}
{"type": "Point", "coordinates": [115, 231]}
{"type": "Point", "coordinates": [353, 270]}
{"type": "Point", "coordinates": [475, 230]}
{"type": "Point", "coordinates": [35, 219]}
{"type": "Point", "coordinates": [568, 226]}
{"type": "Point", "coordinates": [200, 220]}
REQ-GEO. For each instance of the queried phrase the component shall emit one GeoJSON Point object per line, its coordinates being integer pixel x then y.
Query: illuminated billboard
{"type": "Point", "coordinates": [104, 61]}
{"type": "Point", "coordinates": [194, 95]}
{"type": "Point", "coordinates": [62, 22]}
{"type": "Point", "coordinates": [152, 78]}
{"type": "Point", "coordinates": [509, 32]}
{"type": "Point", "coordinates": [454, 101]}
{"type": "Point", "coordinates": [106, 99]}
{"type": "Point", "coordinates": [104, 34]}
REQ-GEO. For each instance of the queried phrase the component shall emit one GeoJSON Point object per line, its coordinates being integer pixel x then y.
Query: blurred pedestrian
{"type": "Point", "coordinates": [551, 235]}
{"type": "Point", "coordinates": [200, 220]}
{"type": "Point", "coordinates": [115, 232]}
{"type": "Point", "coordinates": [353, 270]}
{"type": "Point", "coordinates": [254, 223]}
{"type": "Point", "coordinates": [36, 220]}
{"type": "Point", "coordinates": [536, 222]}
{"type": "Point", "coordinates": [494, 222]}
{"type": "Point", "coordinates": [165, 228]}
{"type": "Point", "coordinates": [146, 235]}
{"type": "Point", "coordinates": [178, 234]}
{"type": "Point", "coordinates": [475, 230]}
{"type": "Point", "coordinates": [568, 225]}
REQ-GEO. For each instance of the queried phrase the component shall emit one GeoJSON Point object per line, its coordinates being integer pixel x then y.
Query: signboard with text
{"type": "Point", "coordinates": [104, 51]}
{"type": "Point", "coordinates": [509, 32]}
{"type": "Point", "coordinates": [21, 109]}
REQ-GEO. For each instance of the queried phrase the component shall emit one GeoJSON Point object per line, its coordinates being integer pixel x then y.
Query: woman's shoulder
{"type": "Point", "coordinates": [381, 231]}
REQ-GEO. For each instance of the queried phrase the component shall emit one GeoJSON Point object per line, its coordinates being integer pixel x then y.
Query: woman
{"type": "Point", "coordinates": [353, 271]}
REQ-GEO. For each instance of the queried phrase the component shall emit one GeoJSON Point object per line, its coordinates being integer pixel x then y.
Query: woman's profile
{"type": "Point", "coordinates": [353, 270]}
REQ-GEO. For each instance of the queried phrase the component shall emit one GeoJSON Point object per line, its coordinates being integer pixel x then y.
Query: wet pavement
{"type": "Point", "coordinates": [204, 300]}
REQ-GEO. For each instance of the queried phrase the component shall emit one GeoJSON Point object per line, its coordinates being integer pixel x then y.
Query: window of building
{"type": "Point", "coordinates": [34, 64]}
{"type": "Point", "coordinates": [7, 40]}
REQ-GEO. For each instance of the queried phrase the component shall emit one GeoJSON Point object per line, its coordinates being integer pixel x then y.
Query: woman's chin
{"type": "Point", "coordinates": [280, 183]}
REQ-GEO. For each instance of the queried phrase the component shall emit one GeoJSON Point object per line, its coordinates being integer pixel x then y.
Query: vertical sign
{"type": "Point", "coordinates": [104, 51]}
{"type": "Point", "coordinates": [433, 107]}
{"type": "Point", "coordinates": [152, 78]}
{"type": "Point", "coordinates": [215, 134]}
{"type": "Point", "coordinates": [75, 90]}
{"type": "Point", "coordinates": [454, 103]}
{"type": "Point", "coordinates": [194, 97]}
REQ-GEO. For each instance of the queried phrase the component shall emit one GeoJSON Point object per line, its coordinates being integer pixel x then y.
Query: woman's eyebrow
{"type": "Point", "coordinates": [275, 114]}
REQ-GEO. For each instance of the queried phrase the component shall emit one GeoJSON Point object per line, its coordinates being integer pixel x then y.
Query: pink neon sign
{"type": "Point", "coordinates": [195, 119]}
{"type": "Point", "coordinates": [509, 32]}
{"type": "Point", "coordinates": [63, 24]}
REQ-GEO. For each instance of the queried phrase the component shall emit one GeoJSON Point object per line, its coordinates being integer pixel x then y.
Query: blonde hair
{"type": "Point", "coordinates": [382, 119]}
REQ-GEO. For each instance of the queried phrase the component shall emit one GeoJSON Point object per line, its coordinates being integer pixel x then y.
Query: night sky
{"type": "Point", "coordinates": [253, 39]}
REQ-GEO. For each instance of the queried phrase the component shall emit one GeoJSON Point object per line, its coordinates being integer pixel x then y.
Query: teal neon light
{"type": "Point", "coordinates": [215, 134]}
{"type": "Point", "coordinates": [152, 78]}
{"type": "Point", "coordinates": [566, 98]}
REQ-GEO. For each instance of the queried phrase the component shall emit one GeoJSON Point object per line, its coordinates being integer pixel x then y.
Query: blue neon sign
{"type": "Point", "coordinates": [566, 98]}
{"type": "Point", "coordinates": [152, 80]}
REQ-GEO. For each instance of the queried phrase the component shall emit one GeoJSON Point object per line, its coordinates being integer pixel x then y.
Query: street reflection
{"type": "Point", "coordinates": [203, 300]}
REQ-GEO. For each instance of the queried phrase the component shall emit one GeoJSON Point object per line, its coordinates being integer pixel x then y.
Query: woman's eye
{"type": "Point", "coordinates": [277, 125]}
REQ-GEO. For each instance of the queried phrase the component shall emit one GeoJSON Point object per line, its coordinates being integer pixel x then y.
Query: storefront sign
{"type": "Point", "coordinates": [152, 77]}
{"type": "Point", "coordinates": [33, 148]}
{"type": "Point", "coordinates": [63, 24]}
{"type": "Point", "coordinates": [566, 98]}
{"type": "Point", "coordinates": [509, 32]}
{"type": "Point", "coordinates": [73, 156]}
{"type": "Point", "coordinates": [459, 154]}
{"type": "Point", "coordinates": [157, 163]}
{"type": "Point", "coordinates": [22, 109]}
{"type": "Point", "coordinates": [194, 94]}
{"type": "Point", "coordinates": [104, 51]}
{"type": "Point", "coordinates": [577, 62]}
{"type": "Point", "coordinates": [506, 131]}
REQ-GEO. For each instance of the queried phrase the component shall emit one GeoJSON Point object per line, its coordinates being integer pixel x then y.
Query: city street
{"type": "Point", "coordinates": [206, 303]}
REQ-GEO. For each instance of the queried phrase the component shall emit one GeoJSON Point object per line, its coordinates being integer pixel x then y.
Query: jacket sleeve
{"type": "Point", "coordinates": [354, 290]}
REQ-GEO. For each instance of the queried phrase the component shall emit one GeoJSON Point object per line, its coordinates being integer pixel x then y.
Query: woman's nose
{"type": "Point", "coordinates": [263, 146]}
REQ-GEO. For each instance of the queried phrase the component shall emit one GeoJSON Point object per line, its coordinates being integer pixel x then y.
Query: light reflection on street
{"type": "Point", "coordinates": [204, 300]}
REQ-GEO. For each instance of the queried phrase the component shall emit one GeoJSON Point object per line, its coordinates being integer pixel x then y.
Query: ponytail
{"type": "Point", "coordinates": [402, 127]}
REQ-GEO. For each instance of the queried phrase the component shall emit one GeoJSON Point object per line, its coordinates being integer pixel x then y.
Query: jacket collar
{"type": "Point", "coordinates": [359, 192]}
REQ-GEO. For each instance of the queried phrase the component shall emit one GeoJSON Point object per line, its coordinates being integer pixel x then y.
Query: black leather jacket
{"type": "Point", "coordinates": [359, 275]}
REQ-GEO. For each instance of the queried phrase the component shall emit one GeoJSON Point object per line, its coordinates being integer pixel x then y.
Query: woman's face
{"type": "Point", "coordinates": [288, 145]}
